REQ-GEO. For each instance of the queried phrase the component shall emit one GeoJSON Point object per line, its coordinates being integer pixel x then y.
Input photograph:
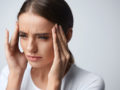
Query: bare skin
{"type": "Point", "coordinates": [46, 73]}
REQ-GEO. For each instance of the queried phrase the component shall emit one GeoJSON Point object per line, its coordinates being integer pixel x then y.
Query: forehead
{"type": "Point", "coordinates": [29, 22]}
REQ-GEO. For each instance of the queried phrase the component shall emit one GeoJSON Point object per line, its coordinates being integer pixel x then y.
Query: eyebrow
{"type": "Point", "coordinates": [37, 34]}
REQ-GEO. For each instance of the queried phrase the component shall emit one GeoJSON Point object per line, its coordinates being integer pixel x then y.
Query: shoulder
{"type": "Point", "coordinates": [83, 79]}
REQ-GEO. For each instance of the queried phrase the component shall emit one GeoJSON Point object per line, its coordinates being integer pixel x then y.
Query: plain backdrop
{"type": "Point", "coordinates": [96, 36]}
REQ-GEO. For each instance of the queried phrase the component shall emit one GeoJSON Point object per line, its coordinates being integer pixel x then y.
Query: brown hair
{"type": "Point", "coordinates": [56, 11]}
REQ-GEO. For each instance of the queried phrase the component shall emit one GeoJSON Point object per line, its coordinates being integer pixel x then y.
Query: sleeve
{"type": "Point", "coordinates": [4, 78]}
{"type": "Point", "coordinates": [96, 84]}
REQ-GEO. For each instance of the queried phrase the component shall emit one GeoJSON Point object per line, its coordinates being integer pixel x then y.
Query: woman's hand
{"type": "Point", "coordinates": [15, 59]}
{"type": "Point", "coordinates": [61, 58]}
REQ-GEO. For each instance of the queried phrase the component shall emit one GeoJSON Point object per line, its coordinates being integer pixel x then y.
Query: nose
{"type": "Point", "coordinates": [32, 46]}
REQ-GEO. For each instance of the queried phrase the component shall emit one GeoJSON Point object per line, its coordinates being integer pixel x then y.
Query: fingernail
{"type": "Point", "coordinates": [56, 26]}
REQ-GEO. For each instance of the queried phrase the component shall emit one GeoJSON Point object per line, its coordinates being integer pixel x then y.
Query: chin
{"type": "Point", "coordinates": [39, 65]}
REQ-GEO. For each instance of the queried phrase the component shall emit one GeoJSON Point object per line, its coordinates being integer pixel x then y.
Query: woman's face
{"type": "Point", "coordinates": [36, 39]}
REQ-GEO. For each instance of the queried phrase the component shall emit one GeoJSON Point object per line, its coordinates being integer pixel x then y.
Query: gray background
{"type": "Point", "coordinates": [96, 38]}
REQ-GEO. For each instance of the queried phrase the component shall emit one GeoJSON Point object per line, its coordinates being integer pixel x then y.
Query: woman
{"type": "Point", "coordinates": [44, 28]}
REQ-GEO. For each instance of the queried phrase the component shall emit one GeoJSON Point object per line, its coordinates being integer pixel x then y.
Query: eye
{"type": "Point", "coordinates": [43, 37]}
{"type": "Point", "coordinates": [22, 35]}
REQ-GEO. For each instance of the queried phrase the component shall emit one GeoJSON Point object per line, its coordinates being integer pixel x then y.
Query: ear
{"type": "Point", "coordinates": [69, 34]}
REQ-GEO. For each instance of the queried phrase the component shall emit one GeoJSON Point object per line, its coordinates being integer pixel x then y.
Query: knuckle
{"type": "Point", "coordinates": [68, 56]}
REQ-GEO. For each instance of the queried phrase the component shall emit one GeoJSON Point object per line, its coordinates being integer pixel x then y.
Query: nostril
{"type": "Point", "coordinates": [32, 49]}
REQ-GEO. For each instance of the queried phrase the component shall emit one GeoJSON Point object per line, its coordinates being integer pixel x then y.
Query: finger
{"type": "Point", "coordinates": [62, 37]}
{"type": "Point", "coordinates": [55, 45]}
{"type": "Point", "coordinates": [63, 51]}
{"type": "Point", "coordinates": [63, 34]}
{"type": "Point", "coordinates": [6, 40]}
{"type": "Point", "coordinates": [14, 39]}
{"type": "Point", "coordinates": [59, 41]}
{"type": "Point", "coordinates": [63, 45]}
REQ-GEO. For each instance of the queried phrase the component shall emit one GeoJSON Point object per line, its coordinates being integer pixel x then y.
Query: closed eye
{"type": "Point", "coordinates": [20, 35]}
{"type": "Point", "coordinates": [43, 37]}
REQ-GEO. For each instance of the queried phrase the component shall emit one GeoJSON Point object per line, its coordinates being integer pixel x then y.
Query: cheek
{"type": "Point", "coordinates": [47, 49]}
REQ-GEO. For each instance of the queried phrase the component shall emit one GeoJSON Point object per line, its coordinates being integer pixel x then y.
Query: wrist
{"type": "Point", "coordinates": [53, 84]}
{"type": "Point", "coordinates": [17, 71]}
{"type": "Point", "coordinates": [16, 79]}
{"type": "Point", "coordinates": [17, 74]}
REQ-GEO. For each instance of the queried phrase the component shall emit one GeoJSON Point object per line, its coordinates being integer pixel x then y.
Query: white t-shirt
{"type": "Point", "coordinates": [76, 79]}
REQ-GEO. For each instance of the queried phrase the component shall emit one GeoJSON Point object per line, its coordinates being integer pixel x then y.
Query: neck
{"type": "Point", "coordinates": [40, 75]}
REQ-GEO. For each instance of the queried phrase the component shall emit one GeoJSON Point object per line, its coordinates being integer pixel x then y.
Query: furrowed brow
{"type": "Point", "coordinates": [37, 34]}
{"type": "Point", "coordinates": [43, 34]}
{"type": "Point", "coordinates": [21, 32]}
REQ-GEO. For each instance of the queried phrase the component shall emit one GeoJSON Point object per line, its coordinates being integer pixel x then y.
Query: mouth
{"type": "Point", "coordinates": [33, 58]}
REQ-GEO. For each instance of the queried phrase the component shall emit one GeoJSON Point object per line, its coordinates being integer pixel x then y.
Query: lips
{"type": "Point", "coordinates": [33, 58]}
